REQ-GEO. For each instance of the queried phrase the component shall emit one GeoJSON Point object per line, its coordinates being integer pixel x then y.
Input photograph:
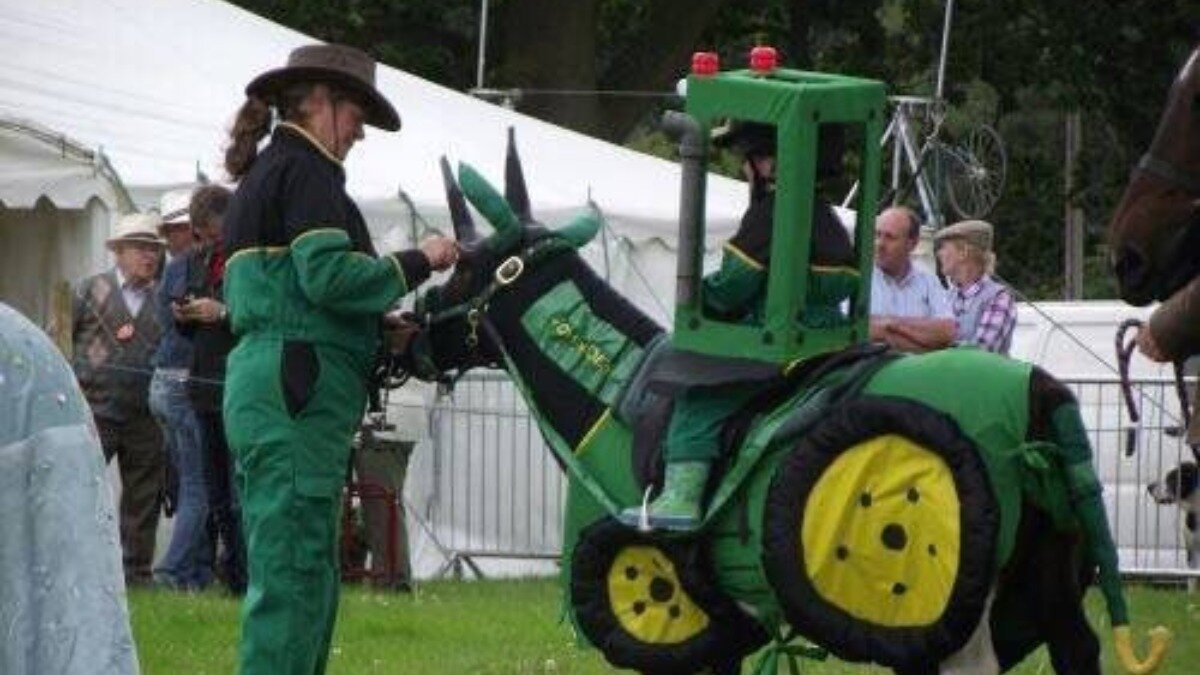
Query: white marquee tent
{"type": "Point", "coordinates": [155, 83]}
{"type": "Point", "coordinates": [152, 86]}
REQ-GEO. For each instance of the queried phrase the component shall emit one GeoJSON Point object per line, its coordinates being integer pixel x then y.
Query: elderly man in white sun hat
{"type": "Point", "coordinates": [115, 333]}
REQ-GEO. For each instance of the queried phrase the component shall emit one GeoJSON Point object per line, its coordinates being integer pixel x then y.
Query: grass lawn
{"type": "Point", "coordinates": [508, 627]}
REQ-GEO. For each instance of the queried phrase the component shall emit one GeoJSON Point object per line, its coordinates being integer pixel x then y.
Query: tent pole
{"type": "Point", "coordinates": [483, 22]}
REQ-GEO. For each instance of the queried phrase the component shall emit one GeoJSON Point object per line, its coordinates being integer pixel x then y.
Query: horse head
{"type": "Point", "coordinates": [1154, 235]}
{"type": "Point", "coordinates": [457, 333]}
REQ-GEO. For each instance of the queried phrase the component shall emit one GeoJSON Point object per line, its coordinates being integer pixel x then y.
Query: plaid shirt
{"type": "Point", "coordinates": [997, 319]}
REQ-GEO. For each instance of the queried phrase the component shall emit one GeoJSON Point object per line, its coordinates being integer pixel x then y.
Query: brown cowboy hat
{"type": "Point", "coordinates": [344, 66]}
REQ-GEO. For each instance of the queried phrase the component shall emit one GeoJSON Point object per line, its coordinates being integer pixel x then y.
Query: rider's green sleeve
{"type": "Point", "coordinates": [732, 290]}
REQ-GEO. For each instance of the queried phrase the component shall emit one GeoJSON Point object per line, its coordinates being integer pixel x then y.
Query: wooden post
{"type": "Point", "coordinates": [1073, 228]}
{"type": "Point", "coordinates": [59, 325]}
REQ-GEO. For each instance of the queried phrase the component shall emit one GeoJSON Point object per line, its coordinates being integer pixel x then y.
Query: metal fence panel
{"type": "Point", "coordinates": [498, 492]}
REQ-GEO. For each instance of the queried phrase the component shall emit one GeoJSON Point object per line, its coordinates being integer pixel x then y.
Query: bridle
{"type": "Point", "coordinates": [1185, 179]}
{"type": "Point", "coordinates": [475, 311]}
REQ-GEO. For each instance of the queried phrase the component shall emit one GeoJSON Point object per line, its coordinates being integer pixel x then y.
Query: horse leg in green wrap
{"type": "Point", "coordinates": [1084, 490]}
{"type": "Point", "coordinates": [290, 410]}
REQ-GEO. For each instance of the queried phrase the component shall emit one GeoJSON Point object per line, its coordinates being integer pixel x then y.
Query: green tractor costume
{"type": "Point", "coordinates": [864, 503]}
{"type": "Point", "coordinates": [306, 293]}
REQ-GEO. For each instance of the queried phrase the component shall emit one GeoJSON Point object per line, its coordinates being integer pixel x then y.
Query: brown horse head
{"type": "Point", "coordinates": [1154, 236]}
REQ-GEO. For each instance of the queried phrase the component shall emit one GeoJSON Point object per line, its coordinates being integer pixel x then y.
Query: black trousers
{"type": "Point", "coordinates": [224, 507]}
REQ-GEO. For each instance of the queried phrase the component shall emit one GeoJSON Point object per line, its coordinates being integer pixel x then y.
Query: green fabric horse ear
{"type": "Point", "coordinates": [583, 227]}
{"type": "Point", "coordinates": [489, 202]}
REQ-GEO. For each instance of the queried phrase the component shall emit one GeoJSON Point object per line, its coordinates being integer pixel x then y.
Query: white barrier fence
{"type": "Point", "coordinates": [493, 490]}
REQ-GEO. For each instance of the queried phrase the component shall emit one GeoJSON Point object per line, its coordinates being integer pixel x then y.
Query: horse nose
{"type": "Point", "coordinates": [1128, 263]}
{"type": "Point", "coordinates": [1130, 267]}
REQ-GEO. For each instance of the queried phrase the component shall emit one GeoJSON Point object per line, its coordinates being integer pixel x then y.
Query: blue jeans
{"type": "Point", "coordinates": [187, 563]}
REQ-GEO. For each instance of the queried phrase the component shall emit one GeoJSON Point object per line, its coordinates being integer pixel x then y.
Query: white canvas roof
{"type": "Point", "coordinates": [39, 163]}
{"type": "Point", "coordinates": [155, 83]}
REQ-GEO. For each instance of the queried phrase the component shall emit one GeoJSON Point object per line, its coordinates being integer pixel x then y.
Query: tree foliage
{"type": "Point", "coordinates": [1019, 65]}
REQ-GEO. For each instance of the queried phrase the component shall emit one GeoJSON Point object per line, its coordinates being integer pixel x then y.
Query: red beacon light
{"type": "Point", "coordinates": [763, 60]}
{"type": "Point", "coordinates": [705, 63]}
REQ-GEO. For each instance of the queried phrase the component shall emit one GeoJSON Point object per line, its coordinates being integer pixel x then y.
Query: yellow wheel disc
{"type": "Point", "coordinates": [881, 533]}
{"type": "Point", "coordinates": [648, 599]}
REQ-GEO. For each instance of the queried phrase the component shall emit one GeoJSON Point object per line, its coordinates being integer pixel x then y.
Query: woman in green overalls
{"type": "Point", "coordinates": [305, 293]}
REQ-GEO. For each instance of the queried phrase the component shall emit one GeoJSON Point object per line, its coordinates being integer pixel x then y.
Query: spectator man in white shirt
{"type": "Point", "coordinates": [910, 310]}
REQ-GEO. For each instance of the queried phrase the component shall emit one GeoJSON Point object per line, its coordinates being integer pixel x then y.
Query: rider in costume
{"type": "Point", "coordinates": [736, 291]}
{"type": "Point", "coordinates": [306, 293]}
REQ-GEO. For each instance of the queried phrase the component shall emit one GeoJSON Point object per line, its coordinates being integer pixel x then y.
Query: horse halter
{"type": "Point", "coordinates": [474, 308]}
{"type": "Point", "coordinates": [1188, 181]}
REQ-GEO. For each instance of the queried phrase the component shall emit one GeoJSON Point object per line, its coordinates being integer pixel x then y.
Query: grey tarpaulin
{"type": "Point", "coordinates": [62, 594]}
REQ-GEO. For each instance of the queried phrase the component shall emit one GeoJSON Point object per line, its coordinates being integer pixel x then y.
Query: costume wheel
{"type": "Point", "coordinates": [975, 177]}
{"type": "Point", "coordinates": [879, 534]}
{"type": "Point", "coordinates": [649, 604]}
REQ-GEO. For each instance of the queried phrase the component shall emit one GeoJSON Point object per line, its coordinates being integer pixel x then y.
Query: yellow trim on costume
{"type": "Point", "coordinates": [268, 250]}
{"type": "Point", "coordinates": [319, 230]}
{"type": "Point", "coordinates": [399, 270]}
{"type": "Point", "coordinates": [826, 269]}
{"type": "Point", "coordinates": [647, 598]}
{"type": "Point", "coordinates": [751, 262]}
{"type": "Point", "coordinates": [881, 533]}
{"type": "Point", "coordinates": [791, 365]}
{"type": "Point", "coordinates": [595, 428]}
{"type": "Point", "coordinates": [312, 139]}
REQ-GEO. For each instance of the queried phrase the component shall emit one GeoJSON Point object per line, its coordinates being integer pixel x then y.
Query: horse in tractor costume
{"type": "Point", "coordinates": [912, 511]}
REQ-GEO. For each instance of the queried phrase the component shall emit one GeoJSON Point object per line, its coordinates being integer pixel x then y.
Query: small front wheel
{"type": "Point", "coordinates": [651, 604]}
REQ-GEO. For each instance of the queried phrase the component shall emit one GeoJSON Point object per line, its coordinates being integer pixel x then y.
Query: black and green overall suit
{"type": "Point", "coordinates": [737, 292]}
{"type": "Point", "coordinates": [305, 293]}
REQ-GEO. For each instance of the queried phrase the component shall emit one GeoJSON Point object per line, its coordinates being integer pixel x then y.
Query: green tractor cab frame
{"type": "Point", "coordinates": [796, 103]}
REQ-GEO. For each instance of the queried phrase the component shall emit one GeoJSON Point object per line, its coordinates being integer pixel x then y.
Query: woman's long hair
{"type": "Point", "coordinates": [253, 123]}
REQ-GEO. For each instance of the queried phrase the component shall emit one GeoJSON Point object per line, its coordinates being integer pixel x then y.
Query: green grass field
{"type": "Point", "coordinates": [507, 627]}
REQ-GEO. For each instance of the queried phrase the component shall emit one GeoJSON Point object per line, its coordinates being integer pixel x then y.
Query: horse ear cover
{"type": "Point", "coordinates": [494, 207]}
{"type": "Point", "coordinates": [582, 228]}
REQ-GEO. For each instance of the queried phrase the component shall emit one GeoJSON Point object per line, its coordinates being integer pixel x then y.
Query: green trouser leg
{"type": "Point", "coordinates": [694, 434]}
{"type": "Point", "coordinates": [291, 469]}
{"type": "Point", "coordinates": [693, 444]}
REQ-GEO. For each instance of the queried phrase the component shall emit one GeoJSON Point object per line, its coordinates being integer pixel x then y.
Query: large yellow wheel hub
{"type": "Point", "coordinates": [881, 533]}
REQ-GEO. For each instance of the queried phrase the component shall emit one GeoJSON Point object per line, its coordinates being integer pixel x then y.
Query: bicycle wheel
{"type": "Point", "coordinates": [974, 178]}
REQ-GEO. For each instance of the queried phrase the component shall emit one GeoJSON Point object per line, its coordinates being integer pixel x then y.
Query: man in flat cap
{"type": "Point", "coordinates": [984, 308]}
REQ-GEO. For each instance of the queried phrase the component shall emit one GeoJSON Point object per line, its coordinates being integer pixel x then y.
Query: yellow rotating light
{"type": "Point", "coordinates": [881, 534]}
{"type": "Point", "coordinates": [648, 599]}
